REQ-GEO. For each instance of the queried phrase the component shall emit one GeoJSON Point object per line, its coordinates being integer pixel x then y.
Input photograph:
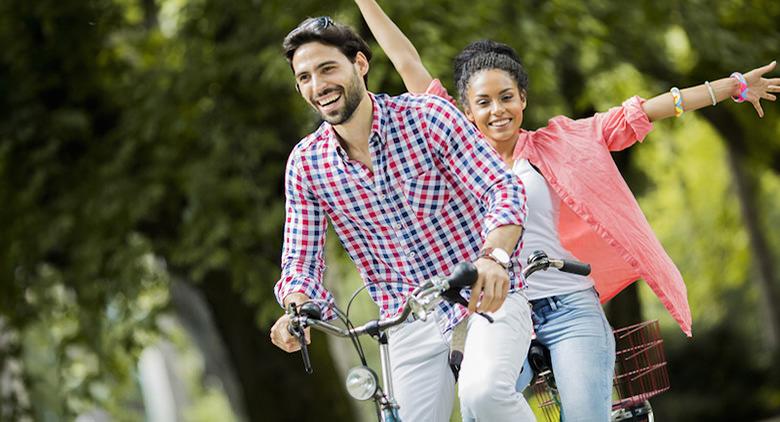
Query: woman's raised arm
{"type": "Point", "coordinates": [710, 93]}
{"type": "Point", "coordinates": [398, 48]}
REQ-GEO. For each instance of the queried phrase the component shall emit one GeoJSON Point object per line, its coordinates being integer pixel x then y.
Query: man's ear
{"type": "Point", "coordinates": [362, 63]}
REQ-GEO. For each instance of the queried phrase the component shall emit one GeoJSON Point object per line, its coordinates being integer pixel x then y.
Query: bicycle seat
{"type": "Point", "coordinates": [539, 357]}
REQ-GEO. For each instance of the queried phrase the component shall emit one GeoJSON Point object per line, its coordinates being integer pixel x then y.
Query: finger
{"type": "Point", "coordinates": [488, 296]}
{"type": "Point", "coordinates": [475, 292]}
{"type": "Point", "coordinates": [757, 106]}
{"type": "Point", "coordinates": [769, 67]}
{"type": "Point", "coordinates": [773, 88]}
{"type": "Point", "coordinates": [498, 303]}
{"type": "Point", "coordinates": [291, 343]}
{"type": "Point", "coordinates": [501, 293]}
{"type": "Point", "coordinates": [768, 96]}
{"type": "Point", "coordinates": [307, 332]}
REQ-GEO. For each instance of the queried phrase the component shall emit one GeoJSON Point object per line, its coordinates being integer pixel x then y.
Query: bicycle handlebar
{"type": "Point", "coordinates": [539, 261]}
{"type": "Point", "coordinates": [464, 275]}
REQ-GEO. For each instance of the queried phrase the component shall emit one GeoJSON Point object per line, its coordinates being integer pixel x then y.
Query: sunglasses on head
{"type": "Point", "coordinates": [317, 24]}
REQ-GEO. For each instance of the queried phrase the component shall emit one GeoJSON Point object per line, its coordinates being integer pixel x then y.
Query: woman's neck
{"type": "Point", "coordinates": [506, 150]}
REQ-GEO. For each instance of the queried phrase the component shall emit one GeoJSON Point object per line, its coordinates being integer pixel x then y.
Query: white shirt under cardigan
{"type": "Point", "coordinates": [541, 233]}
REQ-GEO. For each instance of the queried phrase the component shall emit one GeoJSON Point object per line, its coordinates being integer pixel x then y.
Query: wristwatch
{"type": "Point", "coordinates": [498, 255]}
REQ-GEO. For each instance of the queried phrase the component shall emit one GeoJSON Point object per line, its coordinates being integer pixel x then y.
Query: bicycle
{"type": "Point", "coordinates": [362, 382]}
{"type": "Point", "coordinates": [640, 363]}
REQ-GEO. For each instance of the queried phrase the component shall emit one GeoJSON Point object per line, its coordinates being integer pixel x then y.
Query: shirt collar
{"type": "Point", "coordinates": [378, 132]}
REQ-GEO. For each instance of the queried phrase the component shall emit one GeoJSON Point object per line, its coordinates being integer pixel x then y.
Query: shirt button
{"type": "Point", "coordinates": [399, 226]}
{"type": "Point", "coordinates": [411, 254]}
{"type": "Point", "coordinates": [511, 274]}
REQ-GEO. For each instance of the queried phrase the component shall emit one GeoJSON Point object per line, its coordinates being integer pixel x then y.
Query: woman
{"type": "Point", "coordinates": [578, 204]}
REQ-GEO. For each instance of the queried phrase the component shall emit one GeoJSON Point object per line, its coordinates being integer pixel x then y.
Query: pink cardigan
{"type": "Point", "coordinates": [602, 223]}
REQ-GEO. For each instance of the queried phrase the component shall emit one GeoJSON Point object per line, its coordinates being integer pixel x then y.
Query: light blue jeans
{"type": "Point", "coordinates": [582, 347]}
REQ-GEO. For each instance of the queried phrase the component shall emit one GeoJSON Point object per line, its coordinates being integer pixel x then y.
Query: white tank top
{"type": "Point", "coordinates": [541, 233]}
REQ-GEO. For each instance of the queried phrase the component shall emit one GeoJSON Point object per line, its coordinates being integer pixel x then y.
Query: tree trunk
{"type": "Point", "coordinates": [150, 13]}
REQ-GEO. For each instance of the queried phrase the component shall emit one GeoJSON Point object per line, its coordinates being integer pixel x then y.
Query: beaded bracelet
{"type": "Point", "coordinates": [677, 96]}
{"type": "Point", "coordinates": [712, 93]}
{"type": "Point", "coordinates": [743, 87]}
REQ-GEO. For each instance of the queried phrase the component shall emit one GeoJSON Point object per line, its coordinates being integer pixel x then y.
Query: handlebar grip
{"type": "Point", "coordinates": [575, 267]}
{"type": "Point", "coordinates": [464, 275]}
{"type": "Point", "coordinates": [310, 310]}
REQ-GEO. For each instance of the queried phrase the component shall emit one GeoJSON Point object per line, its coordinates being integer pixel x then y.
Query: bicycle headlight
{"type": "Point", "coordinates": [361, 383]}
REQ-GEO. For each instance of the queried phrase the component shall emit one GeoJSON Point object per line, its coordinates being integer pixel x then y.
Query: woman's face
{"type": "Point", "coordinates": [495, 105]}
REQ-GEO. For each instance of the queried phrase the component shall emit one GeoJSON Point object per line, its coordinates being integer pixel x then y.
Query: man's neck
{"type": "Point", "coordinates": [354, 134]}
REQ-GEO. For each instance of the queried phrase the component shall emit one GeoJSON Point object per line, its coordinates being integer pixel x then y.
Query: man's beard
{"type": "Point", "coordinates": [353, 94]}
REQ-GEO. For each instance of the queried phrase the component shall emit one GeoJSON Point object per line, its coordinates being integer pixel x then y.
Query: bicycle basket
{"type": "Point", "coordinates": [546, 394]}
{"type": "Point", "coordinates": [640, 364]}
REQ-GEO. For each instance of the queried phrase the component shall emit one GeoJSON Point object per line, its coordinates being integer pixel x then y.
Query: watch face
{"type": "Point", "coordinates": [501, 256]}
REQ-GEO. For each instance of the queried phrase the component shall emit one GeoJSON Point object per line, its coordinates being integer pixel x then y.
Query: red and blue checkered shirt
{"type": "Point", "coordinates": [435, 192]}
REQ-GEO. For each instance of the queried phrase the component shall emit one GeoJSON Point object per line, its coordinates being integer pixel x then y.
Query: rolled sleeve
{"type": "Point", "coordinates": [304, 239]}
{"type": "Point", "coordinates": [476, 165]}
{"type": "Point", "coordinates": [623, 126]}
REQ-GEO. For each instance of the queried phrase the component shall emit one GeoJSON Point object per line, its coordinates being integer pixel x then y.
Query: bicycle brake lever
{"type": "Point", "coordinates": [486, 316]}
{"type": "Point", "coordinates": [453, 295]}
{"type": "Point", "coordinates": [300, 334]}
{"type": "Point", "coordinates": [305, 353]}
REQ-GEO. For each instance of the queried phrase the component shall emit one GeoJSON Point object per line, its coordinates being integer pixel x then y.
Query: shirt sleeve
{"type": "Point", "coordinates": [304, 239]}
{"type": "Point", "coordinates": [622, 126]}
{"type": "Point", "coordinates": [475, 164]}
{"type": "Point", "coordinates": [436, 88]}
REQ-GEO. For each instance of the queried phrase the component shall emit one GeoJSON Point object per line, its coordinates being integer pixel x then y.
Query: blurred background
{"type": "Point", "coordinates": [142, 149]}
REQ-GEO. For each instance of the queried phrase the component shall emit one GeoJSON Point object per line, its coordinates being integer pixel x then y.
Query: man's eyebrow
{"type": "Point", "coordinates": [319, 66]}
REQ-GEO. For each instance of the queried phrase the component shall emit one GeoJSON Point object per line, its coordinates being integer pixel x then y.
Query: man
{"type": "Point", "coordinates": [411, 191]}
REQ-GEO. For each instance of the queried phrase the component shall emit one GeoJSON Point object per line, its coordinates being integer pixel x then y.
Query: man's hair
{"type": "Point", "coordinates": [325, 31]}
{"type": "Point", "coordinates": [486, 55]}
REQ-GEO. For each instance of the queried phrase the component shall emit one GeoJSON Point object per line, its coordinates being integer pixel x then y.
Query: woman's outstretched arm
{"type": "Point", "coordinates": [694, 98]}
{"type": "Point", "coordinates": [398, 48]}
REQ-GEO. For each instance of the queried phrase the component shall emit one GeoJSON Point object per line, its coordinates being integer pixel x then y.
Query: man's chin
{"type": "Point", "coordinates": [335, 118]}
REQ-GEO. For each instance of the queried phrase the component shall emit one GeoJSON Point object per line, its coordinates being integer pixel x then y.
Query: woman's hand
{"type": "Point", "coordinates": [760, 87]}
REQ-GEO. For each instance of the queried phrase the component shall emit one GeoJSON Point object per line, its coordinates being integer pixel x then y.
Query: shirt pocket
{"type": "Point", "coordinates": [426, 193]}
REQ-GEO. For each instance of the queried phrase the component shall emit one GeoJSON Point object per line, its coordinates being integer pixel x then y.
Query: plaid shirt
{"type": "Point", "coordinates": [435, 192]}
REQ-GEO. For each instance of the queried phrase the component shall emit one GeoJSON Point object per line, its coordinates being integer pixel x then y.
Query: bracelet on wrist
{"type": "Point", "coordinates": [712, 93]}
{"type": "Point", "coordinates": [678, 105]}
{"type": "Point", "coordinates": [743, 87]}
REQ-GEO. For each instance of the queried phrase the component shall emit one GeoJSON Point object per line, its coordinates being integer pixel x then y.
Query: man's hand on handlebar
{"type": "Point", "coordinates": [280, 332]}
{"type": "Point", "coordinates": [492, 284]}
{"type": "Point", "coordinates": [283, 339]}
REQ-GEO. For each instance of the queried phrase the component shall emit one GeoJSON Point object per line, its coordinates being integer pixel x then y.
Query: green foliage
{"type": "Point", "coordinates": [132, 152]}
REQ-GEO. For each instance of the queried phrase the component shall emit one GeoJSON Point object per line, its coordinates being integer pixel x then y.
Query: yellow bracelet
{"type": "Point", "coordinates": [677, 96]}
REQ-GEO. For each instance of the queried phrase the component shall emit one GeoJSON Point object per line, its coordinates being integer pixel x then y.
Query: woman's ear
{"type": "Point", "coordinates": [470, 115]}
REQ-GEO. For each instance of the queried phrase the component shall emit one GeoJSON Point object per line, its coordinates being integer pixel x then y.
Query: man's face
{"type": "Point", "coordinates": [328, 81]}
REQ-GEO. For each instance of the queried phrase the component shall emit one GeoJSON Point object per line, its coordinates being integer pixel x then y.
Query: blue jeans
{"type": "Point", "coordinates": [582, 347]}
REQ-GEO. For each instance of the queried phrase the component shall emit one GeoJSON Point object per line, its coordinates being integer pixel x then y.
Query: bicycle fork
{"type": "Point", "coordinates": [386, 396]}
